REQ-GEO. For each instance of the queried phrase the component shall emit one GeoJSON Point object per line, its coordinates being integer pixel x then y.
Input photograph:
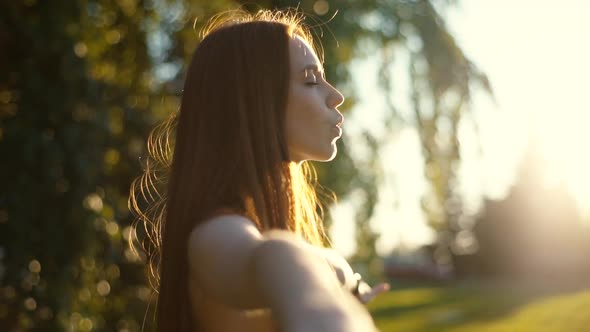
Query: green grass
{"type": "Point", "coordinates": [481, 306]}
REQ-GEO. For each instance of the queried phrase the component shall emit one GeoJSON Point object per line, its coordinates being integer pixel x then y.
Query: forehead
{"type": "Point", "coordinates": [301, 54]}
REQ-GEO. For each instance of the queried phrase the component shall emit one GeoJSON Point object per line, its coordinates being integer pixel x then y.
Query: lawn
{"type": "Point", "coordinates": [482, 306]}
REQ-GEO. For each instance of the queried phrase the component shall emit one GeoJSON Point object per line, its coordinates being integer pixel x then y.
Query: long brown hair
{"type": "Point", "coordinates": [224, 149]}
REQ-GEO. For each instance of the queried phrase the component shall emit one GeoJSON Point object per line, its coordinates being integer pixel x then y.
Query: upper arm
{"type": "Point", "coordinates": [220, 255]}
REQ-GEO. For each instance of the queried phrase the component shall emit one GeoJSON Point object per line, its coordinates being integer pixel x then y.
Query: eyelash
{"type": "Point", "coordinates": [316, 80]}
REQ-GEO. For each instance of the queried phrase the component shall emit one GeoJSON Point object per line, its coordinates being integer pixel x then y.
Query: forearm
{"type": "Point", "coordinates": [339, 265]}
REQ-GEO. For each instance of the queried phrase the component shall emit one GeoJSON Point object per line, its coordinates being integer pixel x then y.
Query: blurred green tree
{"type": "Point", "coordinates": [75, 82]}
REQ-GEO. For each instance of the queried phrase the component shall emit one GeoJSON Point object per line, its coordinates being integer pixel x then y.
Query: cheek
{"type": "Point", "coordinates": [305, 120]}
{"type": "Point", "coordinates": [306, 104]}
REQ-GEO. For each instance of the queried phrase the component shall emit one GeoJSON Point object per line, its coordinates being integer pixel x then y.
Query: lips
{"type": "Point", "coordinates": [337, 130]}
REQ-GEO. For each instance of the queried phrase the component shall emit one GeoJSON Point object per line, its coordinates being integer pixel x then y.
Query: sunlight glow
{"type": "Point", "coordinates": [565, 147]}
{"type": "Point", "coordinates": [539, 67]}
{"type": "Point", "coordinates": [538, 61]}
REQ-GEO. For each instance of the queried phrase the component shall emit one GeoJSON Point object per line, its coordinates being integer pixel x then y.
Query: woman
{"type": "Point", "coordinates": [238, 239]}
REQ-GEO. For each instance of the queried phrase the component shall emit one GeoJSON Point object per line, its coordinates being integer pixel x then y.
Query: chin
{"type": "Point", "coordinates": [328, 155]}
{"type": "Point", "coordinates": [323, 155]}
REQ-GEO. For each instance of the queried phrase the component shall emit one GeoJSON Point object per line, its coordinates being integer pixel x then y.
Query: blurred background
{"type": "Point", "coordinates": [463, 175]}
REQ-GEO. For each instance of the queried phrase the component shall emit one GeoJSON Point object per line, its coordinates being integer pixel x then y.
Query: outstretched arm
{"type": "Point", "coordinates": [243, 268]}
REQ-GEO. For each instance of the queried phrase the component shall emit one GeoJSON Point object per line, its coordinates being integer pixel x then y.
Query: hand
{"type": "Point", "coordinates": [366, 293]}
{"type": "Point", "coordinates": [350, 280]}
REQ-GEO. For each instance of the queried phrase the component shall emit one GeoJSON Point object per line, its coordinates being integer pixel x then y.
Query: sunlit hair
{"type": "Point", "coordinates": [224, 149]}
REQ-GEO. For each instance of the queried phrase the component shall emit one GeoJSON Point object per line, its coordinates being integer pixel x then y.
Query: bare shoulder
{"type": "Point", "coordinates": [228, 224]}
{"type": "Point", "coordinates": [219, 254]}
{"type": "Point", "coordinates": [225, 230]}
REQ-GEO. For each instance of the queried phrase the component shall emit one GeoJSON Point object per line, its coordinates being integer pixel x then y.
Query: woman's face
{"type": "Point", "coordinates": [313, 124]}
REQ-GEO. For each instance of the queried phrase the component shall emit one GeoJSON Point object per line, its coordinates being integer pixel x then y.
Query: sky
{"type": "Point", "coordinates": [537, 57]}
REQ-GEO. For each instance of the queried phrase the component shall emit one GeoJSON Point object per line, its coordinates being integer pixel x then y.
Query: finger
{"type": "Point", "coordinates": [373, 292]}
{"type": "Point", "coordinates": [376, 290]}
{"type": "Point", "coordinates": [381, 288]}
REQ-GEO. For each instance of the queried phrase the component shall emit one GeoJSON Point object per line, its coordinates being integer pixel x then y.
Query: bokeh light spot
{"type": "Point", "coordinates": [80, 49]}
{"type": "Point", "coordinates": [113, 272]}
{"type": "Point", "coordinates": [34, 266]}
{"type": "Point", "coordinates": [112, 157]}
{"type": "Point", "coordinates": [84, 295]}
{"type": "Point", "coordinates": [45, 313]}
{"type": "Point", "coordinates": [113, 37]}
{"type": "Point", "coordinates": [93, 202]}
{"type": "Point", "coordinates": [130, 234]}
{"type": "Point", "coordinates": [112, 228]}
{"type": "Point", "coordinates": [143, 293]}
{"type": "Point", "coordinates": [88, 263]}
{"type": "Point", "coordinates": [321, 7]}
{"type": "Point", "coordinates": [85, 324]}
{"type": "Point", "coordinates": [30, 303]}
{"type": "Point", "coordinates": [103, 288]}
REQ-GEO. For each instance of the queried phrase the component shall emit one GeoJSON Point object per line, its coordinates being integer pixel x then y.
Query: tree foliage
{"type": "Point", "coordinates": [75, 86]}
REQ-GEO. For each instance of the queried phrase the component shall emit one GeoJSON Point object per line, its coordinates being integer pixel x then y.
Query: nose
{"type": "Point", "coordinates": [335, 98]}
